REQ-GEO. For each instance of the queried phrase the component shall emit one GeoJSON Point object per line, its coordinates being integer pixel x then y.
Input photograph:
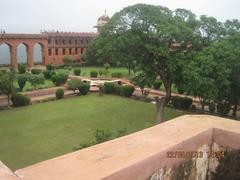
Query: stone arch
{"type": "Point", "coordinates": [38, 53]}
{"type": "Point", "coordinates": [22, 53]}
{"type": "Point", "coordinates": [5, 54]}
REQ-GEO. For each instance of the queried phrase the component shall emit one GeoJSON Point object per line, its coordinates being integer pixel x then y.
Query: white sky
{"type": "Point", "coordinates": [80, 16]}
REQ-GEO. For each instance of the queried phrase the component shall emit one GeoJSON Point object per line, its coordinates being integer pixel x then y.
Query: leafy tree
{"type": "Point", "coordinates": [210, 30]}
{"type": "Point", "coordinates": [214, 75]}
{"type": "Point", "coordinates": [6, 84]}
{"type": "Point", "coordinates": [153, 36]}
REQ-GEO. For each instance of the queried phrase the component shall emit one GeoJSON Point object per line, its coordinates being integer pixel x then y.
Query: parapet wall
{"type": "Point", "coordinates": [147, 154]}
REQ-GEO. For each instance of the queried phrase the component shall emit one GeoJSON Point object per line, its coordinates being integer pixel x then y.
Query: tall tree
{"type": "Point", "coordinates": [155, 37]}
{"type": "Point", "coordinates": [214, 75]}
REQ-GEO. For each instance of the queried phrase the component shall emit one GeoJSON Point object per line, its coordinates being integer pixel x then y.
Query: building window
{"type": "Point", "coordinates": [64, 51]}
{"type": "Point", "coordinates": [49, 52]}
{"type": "Point", "coordinates": [70, 50]}
{"type": "Point", "coordinates": [56, 51]}
{"type": "Point", "coordinates": [87, 41]}
{"type": "Point", "coordinates": [81, 50]}
{"type": "Point", "coordinates": [75, 41]}
{"type": "Point", "coordinates": [63, 42]}
{"type": "Point", "coordinates": [81, 41]}
{"type": "Point", "coordinates": [56, 42]}
{"type": "Point", "coordinates": [70, 41]}
{"type": "Point", "coordinates": [49, 41]}
{"type": "Point", "coordinates": [76, 50]}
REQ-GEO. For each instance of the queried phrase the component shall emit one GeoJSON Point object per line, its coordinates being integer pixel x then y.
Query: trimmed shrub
{"type": "Point", "coordinates": [117, 74]}
{"type": "Point", "coordinates": [49, 67]}
{"type": "Point", "coordinates": [22, 79]}
{"type": "Point", "coordinates": [117, 89]}
{"type": "Point", "coordinates": [106, 66]}
{"type": "Point", "coordinates": [181, 102]}
{"type": "Point", "coordinates": [127, 90]}
{"type": "Point", "coordinates": [67, 60]}
{"type": "Point", "coordinates": [36, 71]}
{"type": "Point", "coordinates": [36, 80]}
{"type": "Point", "coordinates": [84, 88]}
{"type": "Point", "coordinates": [48, 74]}
{"type": "Point", "coordinates": [22, 68]}
{"type": "Point", "coordinates": [77, 71]}
{"type": "Point", "coordinates": [157, 84]}
{"type": "Point", "coordinates": [20, 100]}
{"type": "Point", "coordinates": [59, 93]}
{"type": "Point", "coordinates": [109, 87]}
{"type": "Point", "coordinates": [73, 84]}
{"type": "Point", "coordinates": [94, 74]}
{"type": "Point", "coordinates": [60, 77]}
{"type": "Point", "coordinates": [100, 72]}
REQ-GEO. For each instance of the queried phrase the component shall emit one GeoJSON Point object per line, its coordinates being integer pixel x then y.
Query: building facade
{"type": "Point", "coordinates": [72, 44]}
{"type": "Point", "coordinates": [55, 45]}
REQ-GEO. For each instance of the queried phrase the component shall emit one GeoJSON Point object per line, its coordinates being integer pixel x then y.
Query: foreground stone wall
{"type": "Point", "coordinates": [156, 153]}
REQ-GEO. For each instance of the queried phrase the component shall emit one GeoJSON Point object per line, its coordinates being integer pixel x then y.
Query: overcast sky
{"type": "Point", "coordinates": [81, 15]}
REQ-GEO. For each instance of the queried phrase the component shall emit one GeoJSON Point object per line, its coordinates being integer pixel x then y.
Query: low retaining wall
{"type": "Point", "coordinates": [147, 154]}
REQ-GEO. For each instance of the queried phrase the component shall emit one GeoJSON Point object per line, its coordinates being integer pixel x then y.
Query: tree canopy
{"type": "Point", "coordinates": [197, 55]}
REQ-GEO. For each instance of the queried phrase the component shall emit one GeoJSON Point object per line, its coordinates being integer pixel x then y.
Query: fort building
{"type": "Point", "coordinates": [55, 45]}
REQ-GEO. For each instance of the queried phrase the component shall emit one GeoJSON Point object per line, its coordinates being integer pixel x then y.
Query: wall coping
{"type": "Point", "coordinates": [137, 154]}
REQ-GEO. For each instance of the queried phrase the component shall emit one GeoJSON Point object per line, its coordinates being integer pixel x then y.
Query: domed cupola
{"type": "Point", "coordinates": [102, 21]}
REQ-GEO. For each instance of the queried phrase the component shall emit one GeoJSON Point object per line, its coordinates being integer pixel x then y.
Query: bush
{"type": "Point", "coordinates": [94, 74]}
{"type": "Point", "coordinates": [117, 74]}
{"type": "Point", "coordinates": [157, 84]}
{"type": "Point", "coordinates": [36, 71]}
{"type": "Point", "coordinates": [127, 90]}
{"type": "Point", "coordinates": [67, 60]}
{"type": "Point", "coordinates": [48, 74]}
{"type": "Point", "coordinates": [117, 89]}
{"type": "Point", "coordinates": [77, 71]}
{"type": "Point", "coordinates": [60, 77]}
{"type": "Point", "coordinates": [84, 88]}
{"type": "Point", "coordinates": [49, 67]}
{"type": "Point", "coordinates": [121, 132]}
{"type": "Point", "coordinates": [106, 66]}
{"type": "Point", "coordinates": [59, 93]}
{"type": "Point", "coordinates": [22, 79]}
{"type": "Point", "coordinates": [102, 135]}
{"type": "Point", "coordinates": [109, 87]}
{"type": "Point", "coordinates": [74, 84]}
{"type": "Point", "coordinates": [22, 68]}
{"type": "Point", "coordinates": [181, 102]}
{"type": "Point", "coordinates": [100, 72]}
{"type": "Point", "coordinates": [20, 100]}
{"type": "Point", "coordinates": [36, 80]}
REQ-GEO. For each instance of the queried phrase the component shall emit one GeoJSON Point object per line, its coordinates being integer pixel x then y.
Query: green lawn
{"type": "Point", "coordinates": [86, 71]}
{"type": "Point", "coordinates": [46, 130]}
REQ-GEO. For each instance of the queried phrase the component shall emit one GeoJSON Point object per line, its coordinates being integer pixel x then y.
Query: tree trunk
{"type": "Point", "coordinates": [129, 71]}
{"type": "Point", "coordinates": [160, 103]}
{"type": "Point", "coordinates": [235, 109]}
{"type": "Point", "coordinates": [8, 99]}
{"type": "Point", "coordinates": [202, 102]}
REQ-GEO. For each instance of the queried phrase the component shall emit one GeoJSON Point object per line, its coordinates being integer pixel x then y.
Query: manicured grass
{"type": "Point", "coordinates": [85, 71]}
{"type": "Point", "coordinates": [46, 130]}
